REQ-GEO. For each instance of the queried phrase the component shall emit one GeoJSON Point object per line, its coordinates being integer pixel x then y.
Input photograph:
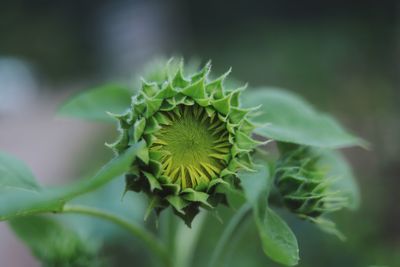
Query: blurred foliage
{"type": "Point", "coordinates": [53, 243]}
{"type": "Point", "coordinates": [342, 56]}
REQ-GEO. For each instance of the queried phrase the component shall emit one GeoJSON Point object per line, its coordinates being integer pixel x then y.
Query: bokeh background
{"type": "Point", "coordinates": [343, 56]}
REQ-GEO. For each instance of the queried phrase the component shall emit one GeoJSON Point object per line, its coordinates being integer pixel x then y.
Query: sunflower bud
{"type": "Point", "coordinates": [302, 182]}
{"type": "Point", "coordinates": [196, 134]}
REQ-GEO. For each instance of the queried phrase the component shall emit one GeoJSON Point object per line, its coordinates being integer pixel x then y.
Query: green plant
{"type": "Point", "coordinates": [190, 142]}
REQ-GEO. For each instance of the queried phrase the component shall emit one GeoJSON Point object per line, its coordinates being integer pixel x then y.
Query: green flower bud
{"type": "Point", "coordinates": [302, 182]}
{"type": "Point", "coordinates": [197, 137]}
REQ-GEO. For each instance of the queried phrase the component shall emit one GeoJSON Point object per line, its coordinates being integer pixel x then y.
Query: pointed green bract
{"type": "Point", "coordinates": [195, 132]}
{"type": "Point", "coordinates": [304, 184]}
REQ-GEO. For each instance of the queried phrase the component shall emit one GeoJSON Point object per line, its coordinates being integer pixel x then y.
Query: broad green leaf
{"type": "Point", "coordinates": [53, 243]}
{"type": "Point", "coordinates": [13, 173]}
{"type": "Point", "coordinates": [343, 180]}
{"type": "Point", "coordinates": [286, 117]}
{"type": "Point", "coordinates": [278, 241]}
{"type": "Point", "coordinates": [20, 200]}
{"type": "Point", "coordinates": [108, 199]}
{"type": "Point", "coordinates": [116, 167]}
{"type": "Point", "coordinates": [94, 104]}
{"type": "Point", "coordinates": [93, 231]}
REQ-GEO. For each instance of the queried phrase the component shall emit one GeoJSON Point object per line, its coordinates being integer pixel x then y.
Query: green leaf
{"type": "Point", "coordinates": [278, 241]}
{"type": "Point", "coordinates": [343, 180]}
{"type": "Point", "coordinates": [94, 104]}
{"type": "Point", "coordinates": [21, 200]}
{"type": "Point", "coordinates": [114, 168]}
{"type": "Point", "coordinates": [108, 199]}
{"type": "Point", "coordinates": [13, 173]}
{"type": "Point", "coordinates": [287, 117]}
{"type": "Point", "coordinates": [54, 243]}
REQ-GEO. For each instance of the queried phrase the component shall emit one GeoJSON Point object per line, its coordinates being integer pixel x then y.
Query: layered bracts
{"type": "Point", "coordinates": [197, 136]}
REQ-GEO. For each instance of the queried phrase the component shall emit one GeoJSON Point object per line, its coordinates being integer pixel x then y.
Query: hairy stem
{"type": "Point", "coordinates": [226, 235]}
{"type": "Point", "coordinates": [152, 243]}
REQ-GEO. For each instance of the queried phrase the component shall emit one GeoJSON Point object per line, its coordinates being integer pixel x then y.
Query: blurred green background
{"type": "Point", "coordinates": [342, 56]}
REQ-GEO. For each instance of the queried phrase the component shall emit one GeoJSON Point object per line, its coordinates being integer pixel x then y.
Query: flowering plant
{"type": "Point", "coordinates": [191, 141]}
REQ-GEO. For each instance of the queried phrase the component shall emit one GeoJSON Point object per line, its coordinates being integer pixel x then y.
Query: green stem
{"type": "Point", "coordinates": [171, 232]}
{"type": "Point", "coordinates": [235, 240]}
{"type": "Point", "coordinates": [186, 241]}
{"type": "Point", "coordinates": [139, 232]}
{"type": "Point", "coordinates": [230, 228]}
